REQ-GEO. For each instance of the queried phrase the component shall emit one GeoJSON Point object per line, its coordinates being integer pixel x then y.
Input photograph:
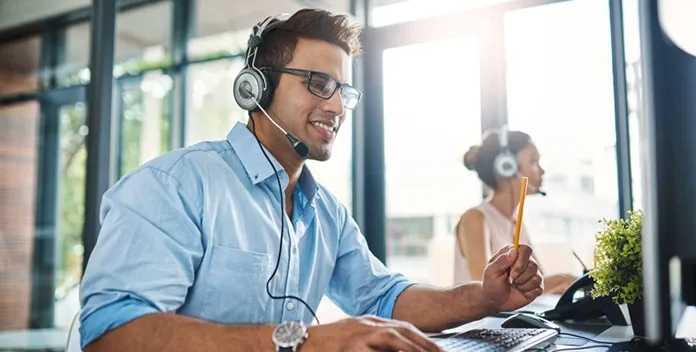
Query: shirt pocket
{"type": "Point", "coordinates": [235, 291]}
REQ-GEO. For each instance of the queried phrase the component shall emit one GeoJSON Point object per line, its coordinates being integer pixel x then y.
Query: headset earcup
{"type": "Point", "coordinates": [505, 165]}
{"type": "Point", "coordinates": [267, 96]}
{"type": "Point", "coordinates": [249, 85]}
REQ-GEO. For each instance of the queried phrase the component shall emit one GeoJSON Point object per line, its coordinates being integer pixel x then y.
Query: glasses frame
{"type": "Point", "coordinates": [309, 74]}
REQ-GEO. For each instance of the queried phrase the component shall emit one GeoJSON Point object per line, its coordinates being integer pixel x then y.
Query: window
{"type": "Point", "coordinates": [145, 118]}
{"type": "Point", "coordinates": [223, 27]}
{"type": "Point", "coordinates": [71, 208]}
{"type": "Point", "coordinates": [212, 109]}
{"type": "Point", "coordinates": [72, 69]}
{"type": "Point", "coordinates": [560, 91]}
{"type": "Point", "coordinates": [427, 185]}
{"type": "Point", "coordinates": [19, 136]}
{"type": "Point", "coordinates": [19, 66]}
{"type": "Point", "coordinates": [634, 94]}
{"type": "Point", "coordinates": [387, 12]}
{"type": "Point", "coordinates": [143, 37]}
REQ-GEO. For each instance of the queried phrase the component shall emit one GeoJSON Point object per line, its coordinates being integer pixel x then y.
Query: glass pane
{"type": "Point", "coordinates": [212, 110]}
{"type": "Point", "coordinates": [19, 66]}
{"type": "Point", "coordinates": [73, 169]}
{"type": "Point", "coordinates": [72, 68]}
{"type": "Point", "coordinates": [387, 12]}
{"type": "Point", "coordinates": [634, 94]}
{"type": "Point", "coordinates": [427, 186]}
{"type": "Point", "coordinates": [145, 120]}
{"type": "Point", "coordinates": [560, 91]}
{"type": "Point", "coordinates": [222, 27]}
{"type": "Point", "coordinates": [19, 163]}
{"type": "Point", "coordinates": [143, 37]}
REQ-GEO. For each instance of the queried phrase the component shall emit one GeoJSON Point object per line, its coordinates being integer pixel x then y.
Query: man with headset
{"type": "Point", "coordinates": [196, 252]}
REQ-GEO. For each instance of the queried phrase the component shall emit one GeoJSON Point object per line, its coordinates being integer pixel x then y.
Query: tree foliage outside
{"type": "Point", "coordinates": [73, 133]}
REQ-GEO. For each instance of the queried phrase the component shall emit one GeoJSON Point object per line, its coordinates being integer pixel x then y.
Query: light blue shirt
{"type": "Point", "coordinates": [196, 232]}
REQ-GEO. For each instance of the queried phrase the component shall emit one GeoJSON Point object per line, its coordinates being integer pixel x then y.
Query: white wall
{"type": "Point", "coordinates": [17, 12]}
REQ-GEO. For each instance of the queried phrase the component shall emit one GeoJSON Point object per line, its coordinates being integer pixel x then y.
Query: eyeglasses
{"type": "Point", "coordinates": [324, 86]}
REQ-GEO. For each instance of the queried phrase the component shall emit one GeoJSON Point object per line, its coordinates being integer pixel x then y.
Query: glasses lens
{"type": "Point", "coordinates": [351, 97]}
{"type": "Point", "coordinates": [322, 85]}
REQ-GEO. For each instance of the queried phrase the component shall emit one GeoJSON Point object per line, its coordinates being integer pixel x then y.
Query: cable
{"type": "Point", "coordinates": [582, 348]}
{"type": "Point", "coordinates": [586, 338]}
{"type": "Point", "coordinates": [282, 228]}
{"type": "Point", "coordinates": [568, 349]}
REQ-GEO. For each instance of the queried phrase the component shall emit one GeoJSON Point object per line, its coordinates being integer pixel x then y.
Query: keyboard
{"type": "Point", "coordinates": [498, 340]}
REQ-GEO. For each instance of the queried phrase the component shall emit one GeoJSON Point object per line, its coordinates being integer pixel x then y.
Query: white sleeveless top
{"type": "Point", "coordinates": [498, 230]}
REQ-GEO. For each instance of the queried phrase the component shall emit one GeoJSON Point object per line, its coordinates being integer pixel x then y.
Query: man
{"type": "Point", "coordinates": [188, 255]}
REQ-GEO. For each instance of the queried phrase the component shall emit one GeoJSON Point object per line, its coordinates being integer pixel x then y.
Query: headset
{"type": "Point", "coordinates": [253, 91]}
{"type": "Point", "coordinates": [505, 163]}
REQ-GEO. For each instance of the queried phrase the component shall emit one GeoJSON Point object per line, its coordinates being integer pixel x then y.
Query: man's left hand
{"type": "Point", "coordinates": [512, 279]}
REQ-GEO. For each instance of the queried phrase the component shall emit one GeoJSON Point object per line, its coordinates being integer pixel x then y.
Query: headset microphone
{"type": "Point", "coordinates": [300, 148]}
{"type": "Point", "coordinates": [533, 187]}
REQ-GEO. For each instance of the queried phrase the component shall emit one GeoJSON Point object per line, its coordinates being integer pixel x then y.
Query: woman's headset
{"type": "Point", "coordinates": [505, 163]}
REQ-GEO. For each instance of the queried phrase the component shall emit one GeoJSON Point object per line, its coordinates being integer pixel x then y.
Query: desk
{"type": "Point", "coordinates": [595, 331]}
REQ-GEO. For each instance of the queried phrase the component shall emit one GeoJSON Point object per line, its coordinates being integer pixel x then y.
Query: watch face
{"type": "Point", "coordinates": [289, 334]}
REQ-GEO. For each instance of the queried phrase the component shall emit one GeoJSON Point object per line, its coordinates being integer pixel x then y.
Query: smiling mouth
{"type": "Point", "coordinates": [326, 127]}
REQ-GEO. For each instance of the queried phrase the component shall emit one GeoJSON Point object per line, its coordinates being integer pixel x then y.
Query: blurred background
{"type": "Point", "coordinates": [435, 75]}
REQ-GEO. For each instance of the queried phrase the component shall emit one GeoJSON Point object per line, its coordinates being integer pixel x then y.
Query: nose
{"type": "Point", "coordinates": [334, 105]}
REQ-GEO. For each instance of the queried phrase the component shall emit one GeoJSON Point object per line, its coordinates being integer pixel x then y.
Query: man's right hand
{"type": "Point", "coordinates": [367, 334]}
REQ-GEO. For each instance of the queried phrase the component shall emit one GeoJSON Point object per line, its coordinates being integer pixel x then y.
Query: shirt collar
{"type": "Point", "coordinates": [258, 169]}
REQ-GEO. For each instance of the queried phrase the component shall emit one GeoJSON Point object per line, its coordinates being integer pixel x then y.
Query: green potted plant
{"type": "Point", "coordinates": [618, 269]}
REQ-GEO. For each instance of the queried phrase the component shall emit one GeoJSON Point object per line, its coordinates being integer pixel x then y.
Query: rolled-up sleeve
{"type": "Point", "coordinates": [360, 283]}
{"type": "Point", "coordinates": [148, 250]}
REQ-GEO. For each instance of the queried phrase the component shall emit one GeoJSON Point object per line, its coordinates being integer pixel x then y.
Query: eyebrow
{"type": "Point", "coordinates": [334, 78]}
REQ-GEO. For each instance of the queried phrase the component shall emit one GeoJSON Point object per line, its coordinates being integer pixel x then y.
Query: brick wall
{"type": "Point", "coordinates": [19, 133]}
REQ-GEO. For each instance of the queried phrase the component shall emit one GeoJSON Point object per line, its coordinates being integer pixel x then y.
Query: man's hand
{"type": "Point", "coordinates": [367, 334]}
{"type": "Point", "coordinates": [512, 279]}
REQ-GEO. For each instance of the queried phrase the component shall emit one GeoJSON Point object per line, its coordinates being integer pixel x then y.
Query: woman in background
{"type": "Point", "coordinates": [491, 224]}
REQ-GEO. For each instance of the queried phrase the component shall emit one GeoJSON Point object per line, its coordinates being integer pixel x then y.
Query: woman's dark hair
{"type": "Point", "coordinates": [480, 158]}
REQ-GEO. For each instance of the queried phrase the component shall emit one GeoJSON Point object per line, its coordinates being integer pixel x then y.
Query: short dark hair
{"type": "Point", "coordinates": [480, 157]}
{"type": "Point", "coordinates": [278, 45]}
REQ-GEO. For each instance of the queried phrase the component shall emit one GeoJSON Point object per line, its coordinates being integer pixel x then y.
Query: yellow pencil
{"type": "Point", "coordinates": [518, 228]}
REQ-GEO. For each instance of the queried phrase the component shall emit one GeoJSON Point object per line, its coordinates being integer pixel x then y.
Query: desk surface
{"type": "Point", "coordinates": [54, 339]}
{"type": "Point", "coordinates": [599, 332]}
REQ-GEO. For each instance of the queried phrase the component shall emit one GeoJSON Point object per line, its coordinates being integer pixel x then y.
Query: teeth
{"type": "Point", "coordinates": [323, 125]}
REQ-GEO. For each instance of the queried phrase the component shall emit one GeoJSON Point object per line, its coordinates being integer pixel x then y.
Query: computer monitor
{"type": "Point", "coordinates": [668, 159]}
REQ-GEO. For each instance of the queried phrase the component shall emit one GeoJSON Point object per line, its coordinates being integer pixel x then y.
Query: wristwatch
{"type": "Point", "coordinates": [289, 335]}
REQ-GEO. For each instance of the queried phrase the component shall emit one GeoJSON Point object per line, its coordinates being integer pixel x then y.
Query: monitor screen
{"type": "Point", "coordinates": [668, 159]}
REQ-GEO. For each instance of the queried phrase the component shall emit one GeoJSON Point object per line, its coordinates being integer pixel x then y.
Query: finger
{"type": "Point", "coordinates": [391, 340]}
{"type": "Point", "coordinates": [524, 253]}
{"type": "Point", "coordinates": [530, 271]}
{"type": "Point", "coordinates": [419, 338]}
{"type": "Point", "coordinates": [379, 321]}
{"type": "Point", "coordinates": [502, 263]}
{"type": "Point", "coordinates": [533, 283]}
{"type": "Point", "coordinates": [531, 295]}
{"type": "Point", "coordinates": [407, 330]}
{"type": "Point", "coordinates": [502, 251]}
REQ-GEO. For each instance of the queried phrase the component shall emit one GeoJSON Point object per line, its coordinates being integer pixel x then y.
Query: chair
{"type": "Point", "coordinates": [72, 343]}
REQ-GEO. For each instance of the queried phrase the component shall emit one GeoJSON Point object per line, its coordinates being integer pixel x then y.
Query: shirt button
{"type": "Point", "coordinates": [290, 306]}
{"type": "Point", "coordinates": [294, 250]}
